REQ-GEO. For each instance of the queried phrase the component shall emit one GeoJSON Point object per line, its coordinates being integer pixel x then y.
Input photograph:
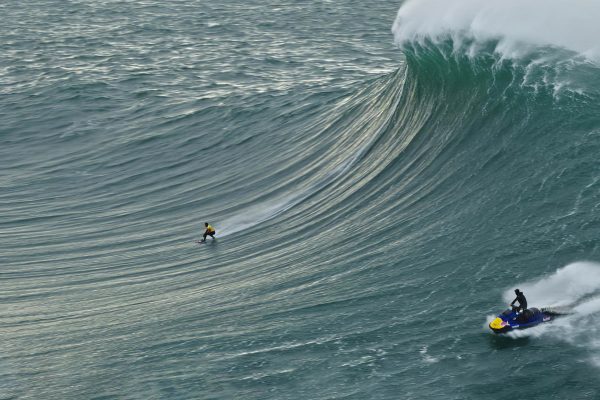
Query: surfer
{"type": "Point", "coordinates": [521, 299]}
{"type": "Point", "coordinates": [210, 231]}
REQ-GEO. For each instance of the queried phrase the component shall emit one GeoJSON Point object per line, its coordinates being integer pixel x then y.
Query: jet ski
{"type": "Point", "coordinates": [511, 319]}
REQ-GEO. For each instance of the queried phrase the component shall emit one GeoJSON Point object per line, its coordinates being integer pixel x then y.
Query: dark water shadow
{"type": "Point", "coordinates": [502, 342]}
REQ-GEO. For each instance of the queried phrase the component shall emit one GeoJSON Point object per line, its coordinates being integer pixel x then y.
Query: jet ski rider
{"type": "Point", "coordinates": [521, 299]}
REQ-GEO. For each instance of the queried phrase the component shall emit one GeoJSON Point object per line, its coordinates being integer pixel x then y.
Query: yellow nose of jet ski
{"type": "Point", "coordinates": [499, 326]}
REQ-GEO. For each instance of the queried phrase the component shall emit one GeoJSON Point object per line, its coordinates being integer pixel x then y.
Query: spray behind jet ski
{"type": "Point", "coordinates": [570, 296]}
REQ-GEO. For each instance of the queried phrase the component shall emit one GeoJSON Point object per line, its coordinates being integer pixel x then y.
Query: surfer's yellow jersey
{"type": "Point", "coordinates": [210, 229]}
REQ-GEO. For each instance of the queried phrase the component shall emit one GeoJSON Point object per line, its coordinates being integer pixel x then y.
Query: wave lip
{"type": "Point", "coordinates": [518, 27]}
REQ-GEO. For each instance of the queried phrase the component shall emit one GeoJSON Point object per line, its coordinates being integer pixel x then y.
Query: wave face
{"type": "Point", "coordinates": [372, 204]}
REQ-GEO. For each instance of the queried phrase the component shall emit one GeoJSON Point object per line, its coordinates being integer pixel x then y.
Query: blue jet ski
{"type": "Point", "coordinates": [511, 319]}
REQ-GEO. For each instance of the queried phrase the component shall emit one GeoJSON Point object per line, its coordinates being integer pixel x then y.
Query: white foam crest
{"type": "Point", "coordinates": [427, 358]}
{"type": "Point", "coordinates": [517, 25]}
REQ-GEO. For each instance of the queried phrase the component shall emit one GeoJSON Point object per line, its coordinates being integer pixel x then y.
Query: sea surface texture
{"type": "Point", "coordinates": [381, 176]}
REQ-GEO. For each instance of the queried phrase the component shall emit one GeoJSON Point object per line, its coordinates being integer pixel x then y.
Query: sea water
{"type": "Point", "coordinates": [381, 177]}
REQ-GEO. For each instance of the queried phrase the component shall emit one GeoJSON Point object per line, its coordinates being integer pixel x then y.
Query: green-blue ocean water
{"type": "Point", "coordinates": [376, 202]}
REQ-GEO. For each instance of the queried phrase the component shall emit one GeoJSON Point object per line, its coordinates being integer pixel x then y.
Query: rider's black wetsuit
{"type": "Point", "coordinates": [522, 301]}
